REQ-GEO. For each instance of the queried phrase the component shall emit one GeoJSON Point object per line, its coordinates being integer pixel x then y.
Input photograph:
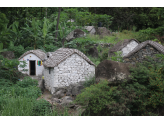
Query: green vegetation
{"type": "Point", "coordinates": [26, 29]}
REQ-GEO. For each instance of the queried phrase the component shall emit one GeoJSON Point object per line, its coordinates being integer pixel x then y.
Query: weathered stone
{"type": "Point", "coordinates": [56, 100]}
{"type": "Point", "coordinates": [42, 85]}
{"type": "Point", "coordinates": [103, 31]}
{"type": "Point", "coordinates": [8, 54]}
{"type": "Point", "coordinates": [93, 52]}
{"type": "Point", "coordinates": [112, 71]}
{"type": "Point", "coordinates": [77, 89]}
{"type": "Point", "coordinates": [59, 93]}
{"type": "Point", "coordinates": [67, 101]}
{"type": "Point", "coordinates": [75, 34]}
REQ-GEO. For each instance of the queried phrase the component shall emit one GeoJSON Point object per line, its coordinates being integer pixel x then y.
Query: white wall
{"type": "Point", "coordinates": [73, 70]}
{"type": "Point", "coordinates": [39, 69]}
{"type": "Point", "coordinates": [129, 48]}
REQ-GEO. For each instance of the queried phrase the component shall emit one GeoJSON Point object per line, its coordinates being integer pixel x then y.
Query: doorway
{"type": "Point", "coordinates": [32, 68]}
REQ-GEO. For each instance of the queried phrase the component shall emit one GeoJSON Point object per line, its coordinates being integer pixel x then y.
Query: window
{"type": "Point", "coordinates": [49, 70]}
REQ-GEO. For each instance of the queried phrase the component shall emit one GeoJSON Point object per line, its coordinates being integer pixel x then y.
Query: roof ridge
{"type": "Point", "coordinates": [154, 44]}
{"type": "Point", "coordinates": [63, 53]}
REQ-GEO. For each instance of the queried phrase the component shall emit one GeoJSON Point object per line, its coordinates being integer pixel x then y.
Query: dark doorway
{"type": "Point", "coordinates": [32, 68]}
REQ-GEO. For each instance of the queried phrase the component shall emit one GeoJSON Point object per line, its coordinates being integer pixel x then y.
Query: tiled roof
{"type": "Point", "coordinates": [39, 53]}
{"type": "Point", "coordinates": [121, 44]}
{"type": "Point", "coordinates": [61, 54]}
{"type": "Point", "coordinates": [154, 44]}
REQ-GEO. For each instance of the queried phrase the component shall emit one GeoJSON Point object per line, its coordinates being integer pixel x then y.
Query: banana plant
{"type": "Point", "coordinates": [4, 36]}
{"type": "Point", "coordinates": [34, 30]}
{"type": "Point", "coordinates": [15, 33]}
{"type": "Point", "coordinates": [46, 28]}
{"type": "Point", "coordinates": [1, 48]}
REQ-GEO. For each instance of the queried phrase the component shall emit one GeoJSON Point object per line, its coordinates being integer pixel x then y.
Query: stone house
{"type": "Point", "coordinates": [147, 48]}
{"type": "Point", "coordinates": [34, 60]}
{"type": "Point", "coordinates": [124, 46]}
{"type": "Point", "coordinates": [66, 66]}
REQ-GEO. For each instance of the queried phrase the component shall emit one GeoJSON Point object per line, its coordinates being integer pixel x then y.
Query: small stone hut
{"type": "Point", "coordinates": [34, 60]}
{"type": "Point", "coordinates": [124, 46]}
{"type": "Point", "coordinates": [147, 48]}
{"type": "Point", "coordinates": [66, 66]}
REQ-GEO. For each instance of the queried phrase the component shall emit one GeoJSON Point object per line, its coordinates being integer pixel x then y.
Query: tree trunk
{"type": "Point", "coordinates": [56, 35]}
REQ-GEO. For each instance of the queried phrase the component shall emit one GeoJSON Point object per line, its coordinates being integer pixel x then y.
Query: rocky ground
{"type": "Point", "coordinates": [62, 103]}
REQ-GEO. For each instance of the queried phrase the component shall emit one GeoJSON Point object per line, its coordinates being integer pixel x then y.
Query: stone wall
{"type": "Point", "coordinates": [140, 55]}
{"type": "Point", "coordinates": [72, 70]}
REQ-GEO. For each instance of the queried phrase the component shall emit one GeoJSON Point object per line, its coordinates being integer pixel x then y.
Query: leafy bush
{"type": "Point", "coordinates": [18, 50]}
{"type": "Point", "coordinates": [102, 99]}
{"type": "Point", "coordinates": [96, 96]}
{"type": "Point", "coordinates": [3, 21]}
{"type": "Point", "coordinates": [8, 69]}
{"type": "Point", "coordinates": [5, 83]}
{"type": "Point", "coordinates": [117, 57]}
{"type": "Point", "coordinates": [41, 107]}
{"type": "Point", "coordinates": [27, 81]}
{"type": "Point", "coordinates": [83, 44]}
{"type": "Point", "coordinates": [149, 88]}
{"type": "Point", "coordinates": [17, 106]}
{"type": "Point", "coordinates": [89, 82]}
{"type": "Point", "coordinates": [104, 54]}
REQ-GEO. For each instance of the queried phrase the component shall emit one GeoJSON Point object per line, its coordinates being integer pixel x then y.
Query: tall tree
{"type": "Point", "coordinates": [56, 35]}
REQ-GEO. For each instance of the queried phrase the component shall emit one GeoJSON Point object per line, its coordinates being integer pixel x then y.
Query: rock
{"type": "Point", "coordinates": [112, 71]}
{"type": "Point", "coordinates": [93, 52]}
{"type": "Point", "coordinates": [42, 85]}
{"type": "Point", "coordinates": [60, 92]}
{"type": "Point", "coordinates": [90, 29]}
{"type": "Point", "coordinates": [56, 100]}
{"type": "Point", "coordinates": [103, 31]}
{"type": "Point", "coordinates": [77, 89]}
{"type": "Point", "coordinates": [8, 54]}
{"type": "Point", "coordinates": [75, 34]}
{"type": "Point", "coordinates": [67, 101]}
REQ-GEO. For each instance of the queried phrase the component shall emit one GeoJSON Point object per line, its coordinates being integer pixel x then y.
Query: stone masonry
{"type": "Point", "coordinates": [70, 71]}
{"type": "Point", "coordinates": [140, 55]}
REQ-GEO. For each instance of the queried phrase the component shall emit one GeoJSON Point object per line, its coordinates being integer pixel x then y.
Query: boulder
{"type": "Point", "coordinates": [67, 101]}
{"type": "Point", "coordinates": [42, 85]}
{"type": "Point", "coordinates": [112, 71]}
{"type": "Point", "coordinates": [103, 31]}
{"type": "Point", "coordinates": [8, 54]}
{"type": "Point", "coordinates": [77, 89]}
{"type": "Point", "coordinates": [56, 100]}
{"type": "Point", "coordinates": [90, 29]}
{"type": "Point", "coordinates": [75, 34]}
{"type": "Point", "coordinates": [60, 92]}
{"type": "Point", "coordinates": [93, 52]}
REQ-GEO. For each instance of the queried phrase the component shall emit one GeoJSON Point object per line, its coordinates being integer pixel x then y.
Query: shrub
{"type": "Point", "coordinates": [27, 81]}
{"type": "Point", "coordinates": [83, 44]}
{"type": "Point", "coordinates": [41, 107]}
{"type": "Point", "coordinates": [95, 97]}
{"type": "Point", "coordinates": [17, 106]}
{"type": "Point", "coordinates": [117, 57]}
{"type": "Point", "coordinates": [89, 82]}
{"type": "Point", "coordinates": [102, 99]}
{"type": "Point", "coordinates": [149, 87]}
{"type": "Point", "coordinates": [104, 54]}
{"type": "Point", "coordinates": [32, 91]}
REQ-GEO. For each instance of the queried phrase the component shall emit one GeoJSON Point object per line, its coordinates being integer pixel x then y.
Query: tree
{"type": "Point", "coordinates": [57, 24]}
